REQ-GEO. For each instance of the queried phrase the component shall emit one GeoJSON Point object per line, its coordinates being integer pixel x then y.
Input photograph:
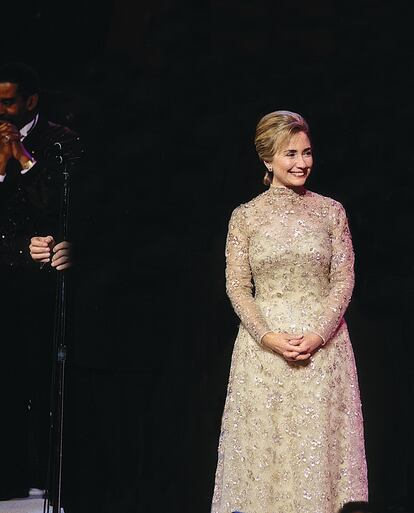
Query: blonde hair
{"type": "Point", "coordinates": [273, 131]}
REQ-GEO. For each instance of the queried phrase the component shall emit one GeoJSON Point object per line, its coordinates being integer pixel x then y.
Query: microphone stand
{"type": "Point", "coordinates": [53, 495]}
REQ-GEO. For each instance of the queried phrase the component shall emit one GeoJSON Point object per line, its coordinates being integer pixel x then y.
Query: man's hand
{"type": "Point", "coordinates": [8, 132]}
{"type": "Point", "coordinates": [6, 149]}
{"type": "Point", "coordinates": [10, 135]}
{"type": "Point", "coordinates": [61, 258]}
{"type": "Point", "coordinates": [41, 248]}
{"type": "Point", "coordinates": [45, 249]}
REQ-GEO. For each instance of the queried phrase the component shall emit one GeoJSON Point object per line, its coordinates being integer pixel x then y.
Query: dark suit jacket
{"type": "Point", "coordinates": [30, 203]}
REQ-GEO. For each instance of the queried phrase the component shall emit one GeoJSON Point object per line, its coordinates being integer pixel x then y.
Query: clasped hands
{"type": "Point", "coordinates": [293, 348]}
{"type": "Point", "coordinates": [45, 249]}
{"type": "Point", "coordinates": [11, 145]}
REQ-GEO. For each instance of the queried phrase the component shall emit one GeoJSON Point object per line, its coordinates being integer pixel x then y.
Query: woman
{"type": "Point", "coordinates": [292, 430]}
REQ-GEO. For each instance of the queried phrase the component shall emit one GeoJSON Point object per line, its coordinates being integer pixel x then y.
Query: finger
{"type": "Point", "coordinates": [303, 347]}
{"type": "Point", "coordinates": [293, 336]}
{"type": "Point", "coordinates": [38, 242]}
{"type": "Point", "coordinates": [64, 266]}
{"type": "Point", "coordinates": [290, 354]}
{"type": "Point", "coordinates": [39, 247]}
{"type": "Point", "coordinates": [61, 253]}
{"type": "Point", "coordinates": [45, 240]}
{"type": "Point", "coordinates": [9, 138]}
{"type": "Point", "coordinates": [12, 134]}
{"type": "Point", "coordinates": [303, 356]}
{"type": "Point", "coordinates": [294, 342]}
{"type": "Point", "coordinates": [64, 251]}
{"type": "Point", "coordinates": [9, 129]}
{"type": "Point", "coordinates": [6, 124]}
{"type": "Point", "coordinates": [295, 345]}
{"type": "Point", "coordinates": [288, 359]}
{"type": "Point", "coordinates": [40, 256]}
{"type": "Point", "coordinates": [60, 261]}
{"type": "Point", "coordinates": [62, 245]}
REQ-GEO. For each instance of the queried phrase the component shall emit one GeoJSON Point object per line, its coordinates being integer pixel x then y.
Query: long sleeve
{"type": "Point", "coordinates": [341, 275]}
{"type": "Point", "coordinates": [239, 284]}
{"type": "Point", "coordinates": [30, 202]}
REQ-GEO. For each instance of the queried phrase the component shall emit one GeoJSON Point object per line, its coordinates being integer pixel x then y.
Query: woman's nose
{"type": "Point", "coordinates": [301, 161]}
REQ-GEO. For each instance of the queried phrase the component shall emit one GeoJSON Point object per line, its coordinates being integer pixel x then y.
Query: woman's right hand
{"type": "Point", "coordinates": [285, 344]}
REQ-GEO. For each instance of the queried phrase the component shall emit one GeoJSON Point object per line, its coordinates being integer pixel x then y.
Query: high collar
{"type": "Point", "coordinates": [282, 190]}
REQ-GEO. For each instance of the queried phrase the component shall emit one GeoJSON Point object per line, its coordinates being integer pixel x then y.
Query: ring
{"type": "Point", "coordinates": [7, 138]}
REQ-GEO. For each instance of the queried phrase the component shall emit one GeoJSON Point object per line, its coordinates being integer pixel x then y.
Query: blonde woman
{"type": "Point", "coordinates": [292, 429]}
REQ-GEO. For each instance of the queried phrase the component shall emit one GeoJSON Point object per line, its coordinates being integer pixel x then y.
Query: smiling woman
{"type": "Point", "coordinates": [292, 431]}
{"type": "Point", "coordinates": [282, 143]}
{"type": "Point", "coordinates": [292, 165]}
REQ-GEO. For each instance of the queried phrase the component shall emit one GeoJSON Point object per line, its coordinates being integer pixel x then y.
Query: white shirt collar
{"type": "Point", "coordinates": [24, 131]}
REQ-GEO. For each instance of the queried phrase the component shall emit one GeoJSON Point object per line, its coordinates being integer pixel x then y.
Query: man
{"type": "Point", "coordinates": [27, 141]}
{"type": "Point", "coordinates": [30, 197]}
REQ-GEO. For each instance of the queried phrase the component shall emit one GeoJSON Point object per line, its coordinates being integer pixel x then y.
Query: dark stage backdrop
{"type": "Point", "coordinates": [169, 93]}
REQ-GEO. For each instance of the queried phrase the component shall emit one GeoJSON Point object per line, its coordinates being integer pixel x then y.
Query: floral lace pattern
{"type": "Point", "coordinates": [292, 433]}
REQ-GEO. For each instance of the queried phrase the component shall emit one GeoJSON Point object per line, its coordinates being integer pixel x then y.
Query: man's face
{"type": "Point", "coordinates": [13, 107]}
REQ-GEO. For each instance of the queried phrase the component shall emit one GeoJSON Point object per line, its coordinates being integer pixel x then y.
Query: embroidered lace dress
{"type": "Point", "coordinates": [292, 433]}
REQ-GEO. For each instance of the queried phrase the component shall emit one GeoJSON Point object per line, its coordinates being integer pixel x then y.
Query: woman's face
{"type": "Point", "coordinates": [292, 164]}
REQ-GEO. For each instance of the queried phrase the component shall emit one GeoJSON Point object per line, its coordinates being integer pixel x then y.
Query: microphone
{"type": "Point", "coordinates": [61, 152]}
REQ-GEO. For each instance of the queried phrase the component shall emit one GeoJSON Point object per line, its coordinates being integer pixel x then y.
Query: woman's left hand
{"type": "Point", "coordinates": [308, 345]}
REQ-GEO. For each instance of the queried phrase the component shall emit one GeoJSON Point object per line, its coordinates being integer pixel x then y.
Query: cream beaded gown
{"type": "Point", "coordinates": [292, 433]}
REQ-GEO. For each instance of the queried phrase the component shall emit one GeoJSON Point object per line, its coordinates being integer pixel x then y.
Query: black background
{"type": "Point", "coordinates": [166, 96]}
